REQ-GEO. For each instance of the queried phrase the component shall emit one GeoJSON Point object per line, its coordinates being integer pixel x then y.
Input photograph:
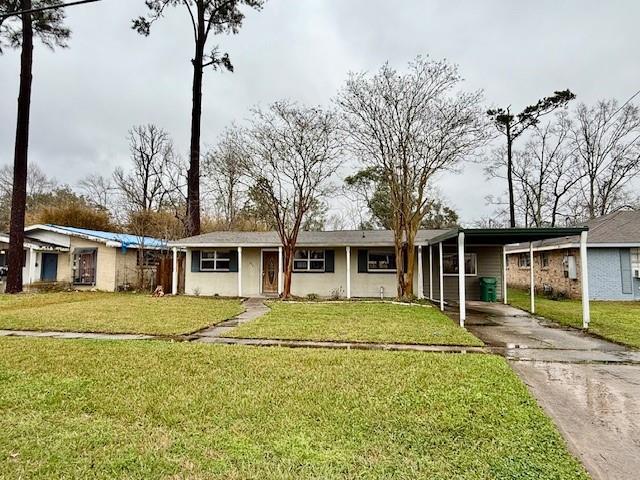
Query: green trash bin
{"type": "Point", "coordinates": [488, 289]}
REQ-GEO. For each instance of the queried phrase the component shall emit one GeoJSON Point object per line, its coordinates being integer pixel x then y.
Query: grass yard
{"type": "Point", "coordinates": [617, 321]}
{"type": "Point", "coordinates": [356, 321]}
{"type": "Point", "coordinates": [113, 312]}
{"type": "Point", "coordinates": [87, 409]}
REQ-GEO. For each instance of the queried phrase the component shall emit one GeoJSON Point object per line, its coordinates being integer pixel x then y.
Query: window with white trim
{"type": "Point", "coordinates": [635, 262]}
{"type": "Point", "coordinates": [215, 260]}
{"type": "Point", "coordinates": [450, 264]}
{"type": "Point", "coordinates": [544, 259]}
{"type": "Point", "coordinates": [308, 261]}
{"type": "Point", "coordinates": [381, 261]}
{"type": "Point", "coordinates": [524, 260]}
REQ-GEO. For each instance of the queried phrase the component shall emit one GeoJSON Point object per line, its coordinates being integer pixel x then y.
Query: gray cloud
{"type": "Point", "coordinates": [88, 96]}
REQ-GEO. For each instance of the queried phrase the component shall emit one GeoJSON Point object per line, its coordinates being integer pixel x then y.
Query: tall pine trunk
{"type": "Point", "coordinates": [512, 203]}
{"type": "Point", "coordinates": [19, 195]}
{"type": "Point", "coordinates": [193, 176]}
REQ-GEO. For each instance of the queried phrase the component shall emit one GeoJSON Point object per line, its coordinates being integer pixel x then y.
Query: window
{"type": "Point", "coordinates": [215, 261]}
{"type": "Point", "coordinates": [308, 261]}
{"type": "Point", "coordinates": [524, 261]}
{"type": "Point", "coordinates": [381, 261]}
{"type": "Point", "coordinates": [635, 262]}
{"type": "Point", "coordinates": [84, 267]}
{"type": "Point", "coordinates": [450, 264]}
{"type": "Point", "coordinates": [544, 259]}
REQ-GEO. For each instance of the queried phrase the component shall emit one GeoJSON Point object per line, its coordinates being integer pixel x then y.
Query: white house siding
{"type": "Point", "coordinates": [322, 284]}
{"type": "Point", "coordinates": [489, 265]}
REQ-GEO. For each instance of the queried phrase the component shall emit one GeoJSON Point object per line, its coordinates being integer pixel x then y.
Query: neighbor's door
{"type": "Point", "coordinates": [269, 272]}
{"type": "Point", "coordinates": [49, 272]}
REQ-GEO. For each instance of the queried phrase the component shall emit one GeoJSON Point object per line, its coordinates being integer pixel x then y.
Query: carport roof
{"type": "Point", "coordinates": [506, 236]}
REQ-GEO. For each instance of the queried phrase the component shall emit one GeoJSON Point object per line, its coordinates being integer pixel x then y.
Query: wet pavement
{"type": "Point", "coordinates": [590, 387]}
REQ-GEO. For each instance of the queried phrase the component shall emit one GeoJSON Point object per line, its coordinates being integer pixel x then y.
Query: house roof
{"type": "Point", "coordinates": [372, 238]}
{"type": "Point", "coordinates": [34, 243]}
{"type": "Point", "coordinates": [338, 238]}
{"type": "Point", "coordinates": [615, 229]}
{"type": "Point", "coordinates": [112, 239]}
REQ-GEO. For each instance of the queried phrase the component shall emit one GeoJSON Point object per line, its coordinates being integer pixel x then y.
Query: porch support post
{"type": "Point", "coordinates": [441, 279]}
{"type": "Point", "coordinates": [461, 280]}
{"type": "Point", "coordinates": [32, 266]}
{"type": "Point", "coordinates": [430, 273]}
{"type": "Point", "coordinates": [504, 274]}
{"type": "Point", "coordinates": [532, 283]}
{"type": "Point", "coordinates": [420, 274]}
{"type": "Point", "coordinates": [174, 272]}
{"type": "Point", "coordinates": [348, 250]}
{"type": "Point", "coordinates": [584, 274]}
{"type": "Point", "coordinates": [280, 265]}
{"type": "Point", "coordinates": [239, 271]}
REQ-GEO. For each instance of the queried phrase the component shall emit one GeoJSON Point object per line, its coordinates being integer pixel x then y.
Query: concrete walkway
{"type": "Point", "coordinates": [589, 386]}
{"type": "Point", "coordinates": [254, 308]}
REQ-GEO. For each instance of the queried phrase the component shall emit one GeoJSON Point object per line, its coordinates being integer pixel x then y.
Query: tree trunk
{"type": "Point", "coordinates": [410, 252]}
{"type": "Point", "coordinates": [193, 175]}
{"type": "Point", "coordinates": [512, 206]}
{"type": "Point", "coordinates": [19, 195]}
{"type": "Point", "coordinates": [288, 269]}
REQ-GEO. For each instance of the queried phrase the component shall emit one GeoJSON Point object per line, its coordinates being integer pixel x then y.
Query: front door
{"type": "Point", "coordinates": [49, 272]}
{"type": "Point", "coordinates": [269, 272]}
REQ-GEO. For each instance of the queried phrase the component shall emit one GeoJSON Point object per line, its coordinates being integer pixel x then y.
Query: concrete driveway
{"type": "Point", "coordinates": [590, 387]}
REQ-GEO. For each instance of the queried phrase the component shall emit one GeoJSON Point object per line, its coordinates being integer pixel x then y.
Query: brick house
{"type": "Point", "coordinates": [613, 256]}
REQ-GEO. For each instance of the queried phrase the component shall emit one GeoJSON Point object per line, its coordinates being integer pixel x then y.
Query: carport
{"type": "Point", "coordinates": [460, 239]}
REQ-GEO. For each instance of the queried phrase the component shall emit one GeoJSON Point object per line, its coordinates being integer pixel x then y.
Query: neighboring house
{"type": "Point", "coordinates": [86, 259]}
{"type": "Point", "coordinates": [349, 263]}
{"type": "Point", "coordinates": [613, 260]}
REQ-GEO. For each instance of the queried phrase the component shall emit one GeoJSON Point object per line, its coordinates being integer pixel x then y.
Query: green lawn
{"type": "Point", "coordinates": [617, 321]}
{"type": "Point", "coordinates": [147, 410]}
{"type": "Point", "coordinates": [356, 321]}
{"type": "Point", "coordinates": [113, 312]}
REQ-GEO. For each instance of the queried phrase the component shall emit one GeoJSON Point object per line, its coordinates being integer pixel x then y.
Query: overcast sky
{"type": "Point", "coordinates": [86, 97]}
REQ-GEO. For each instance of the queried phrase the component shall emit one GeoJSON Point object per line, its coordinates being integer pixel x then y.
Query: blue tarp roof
{"type": "Point", "coordinates": [127, 240]}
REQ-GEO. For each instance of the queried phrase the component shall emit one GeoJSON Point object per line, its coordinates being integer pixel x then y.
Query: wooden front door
{"type": "Point", "coordinates": [269, 272]}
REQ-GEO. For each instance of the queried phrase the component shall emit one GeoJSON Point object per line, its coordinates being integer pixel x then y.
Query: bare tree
{"type": "Point", "coordinates": [291, 153]}
{"type": "Point", "coordinates": [606, 139]}
{"type": "Point", "coordinates": [544, 173]}
{"type": "Point", "coordinates": [151, 152]}
{"type": "Point", "coordinates": [408, 127]}
{"type": "Point", "coordinates": [207, 17]}
{"type": "Point", "coordinates": [98, 190]}
{"type": "Point", "coordinates": [223, 173]}
{"type": "Point", "coordinates": [513, 126]}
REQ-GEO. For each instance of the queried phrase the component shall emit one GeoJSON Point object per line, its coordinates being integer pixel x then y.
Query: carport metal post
{"type": "Point", "coordinates": [586, 311]}
{"type": "Point", "coordinates": [504, 274]}
{"type": "Point", "coordinates": [441, 279]}
{"type": "Point", "coordinates": [348, 250]}
{"type": "Point", "coordinates": [239, 271]}
{"type": "Point", "coordinates": [461, 280]}
{"type": "Point", "coordinates": [280, 265]}
{"type": "Point", "coordinates": [420, 274]}
{"type": "Point", "coordinates": [174, 272]}
{"type": "Point", "coordinates": [532, 285]}
{"type": "Point", "coordinates": [430, 273]}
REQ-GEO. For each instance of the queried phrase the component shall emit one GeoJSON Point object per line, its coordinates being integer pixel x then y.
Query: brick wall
{"type": "Point", "coordinates": [553, 274]}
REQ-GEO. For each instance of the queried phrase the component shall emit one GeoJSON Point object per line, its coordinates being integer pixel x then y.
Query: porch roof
{"type": "Point", "coordinates": [506, 236]}
{"type": "Point", "coordinates": [33, 243]}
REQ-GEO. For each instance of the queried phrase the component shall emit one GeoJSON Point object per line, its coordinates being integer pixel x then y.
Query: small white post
{"type": "Point", "coordinates": [280, 265]}
{"type": "Point", "coordinates": [430, 273]}
{"type": "Point", "coordinates": [239, 271]}
{"type": "Point", "coordinates": [532, 279]}
{"type": "Point", "coordinates": [461, 280]}
{"type": "Point", "coordinates": [441, 280]}
{"type": "Point", "coordinates": [174, 272]}
{"type": "Point", "coordinates": [348, 250]}
{"type": "Point", "coordinates": [32, 266]}
{"type": "Point", "coordinates": [504, 274]}
{"type": "Point", "coordinates": [420, 274]}
{"type": "Point", "coordinates": [584, 274]}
